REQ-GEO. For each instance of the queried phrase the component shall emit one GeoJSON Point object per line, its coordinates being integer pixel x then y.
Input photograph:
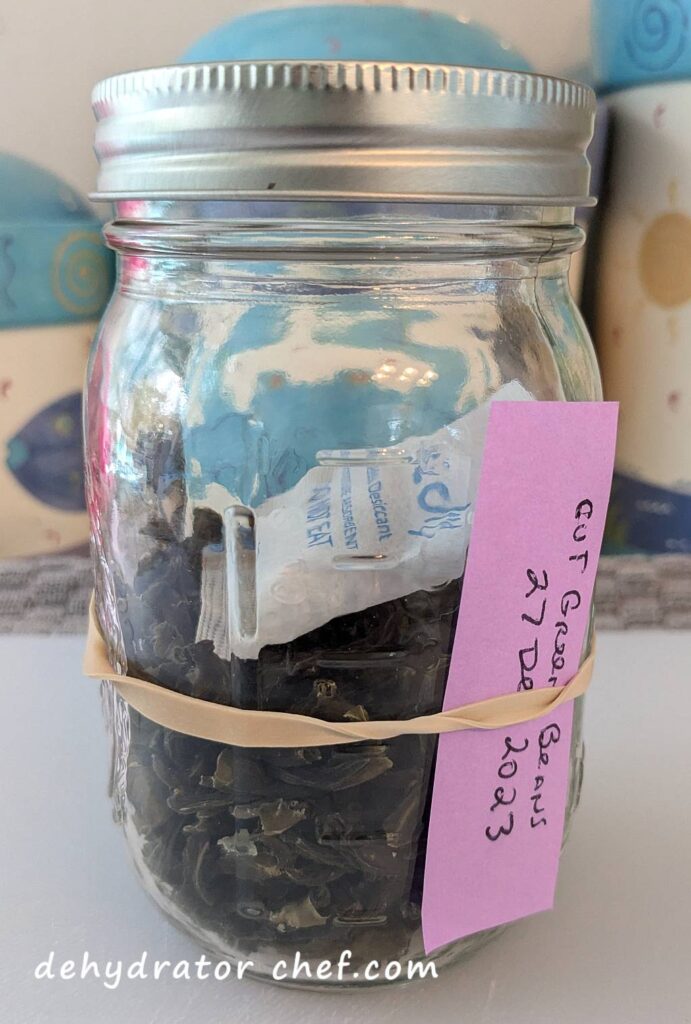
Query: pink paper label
{"type": "Point", "coordinates": [497, 817]}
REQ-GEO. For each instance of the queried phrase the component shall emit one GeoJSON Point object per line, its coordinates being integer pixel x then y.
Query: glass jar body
{"type": "Point", "coordinates": [240, 378]}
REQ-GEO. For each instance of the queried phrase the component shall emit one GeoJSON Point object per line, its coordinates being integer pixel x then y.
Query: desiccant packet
{"type": "Point", "coordinates": [361, 527]}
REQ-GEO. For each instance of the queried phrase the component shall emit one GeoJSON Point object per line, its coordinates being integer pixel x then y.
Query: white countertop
{"type": "Point", "coordinates": [616, 950]}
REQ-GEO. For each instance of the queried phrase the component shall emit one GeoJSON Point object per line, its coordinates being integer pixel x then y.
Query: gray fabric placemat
{"type": "Point", "coordinates": [45, 595]}
{"type": "Point", "coordinates": [51, 594]}
{"type": "Point", "coordinates": [641, 591]}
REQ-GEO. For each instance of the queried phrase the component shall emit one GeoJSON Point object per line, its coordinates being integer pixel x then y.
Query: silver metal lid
{"type": "Point", "coordinates": [349, 130]}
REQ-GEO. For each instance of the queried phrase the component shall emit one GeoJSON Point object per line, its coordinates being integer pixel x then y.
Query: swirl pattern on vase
{"type": "Point", "coordinates": [656, 33]}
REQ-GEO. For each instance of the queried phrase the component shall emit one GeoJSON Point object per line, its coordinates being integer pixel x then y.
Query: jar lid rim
{"type": "Point", "coordinates": [343, 130]}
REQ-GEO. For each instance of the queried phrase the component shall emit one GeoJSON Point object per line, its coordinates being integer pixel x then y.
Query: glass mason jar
{"type": "Point", "coordinates": [258, 358]}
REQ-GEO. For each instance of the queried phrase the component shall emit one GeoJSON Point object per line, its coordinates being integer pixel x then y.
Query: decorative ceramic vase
{"type": "Point", "coordinates": [55, 278]}
{"type": "Point", "coordinates": [644, 316]}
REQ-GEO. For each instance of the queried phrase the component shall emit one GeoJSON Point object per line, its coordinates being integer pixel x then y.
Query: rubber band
{"type": "Point", "coordinates": [240, 727]}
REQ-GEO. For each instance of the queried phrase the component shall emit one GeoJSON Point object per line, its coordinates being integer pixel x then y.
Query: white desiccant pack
{"type": "Point", "coordinates": [362, 527]}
